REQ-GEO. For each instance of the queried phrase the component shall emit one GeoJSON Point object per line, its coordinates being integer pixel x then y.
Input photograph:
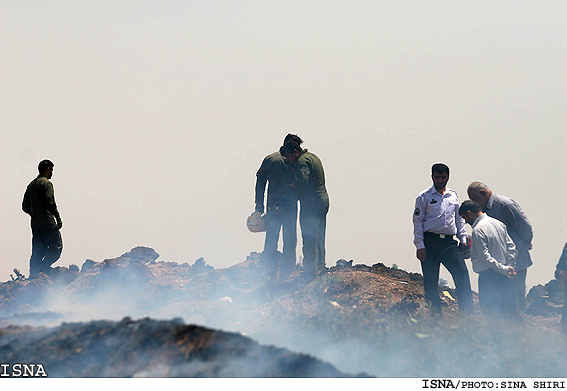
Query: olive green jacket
{"type": "Point", "coordinates": [280, 179]}
{"type": "Point", "coordinates": [39, 203]}
{"type": "Point", "coordinates": [311, 181]}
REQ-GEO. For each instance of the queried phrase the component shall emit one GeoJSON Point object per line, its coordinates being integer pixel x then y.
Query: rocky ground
{"type": "Point", "coordinates": [361, 320]}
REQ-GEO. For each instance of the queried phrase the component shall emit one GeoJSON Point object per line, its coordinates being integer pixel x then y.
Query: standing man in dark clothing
{"type": "Point", "coordinates": [314, 204]}
{"type": "Point", "coordinates": [561, 275]}
{"type": "Point", "coordinates": [39, 203]}
{"type": "Point", "coordinates": [519, 228]}
{"type": "Point", "coordinates": [436, 221]}
{"type": "Point", "coordinates": [281, 214]}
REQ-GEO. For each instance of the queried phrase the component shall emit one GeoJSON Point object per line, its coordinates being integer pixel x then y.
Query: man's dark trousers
{"type": "Point", "coordinates": [47, 246]}
{"type": "Point", "coordinates": [313, 222]}
{"type": "Point", "coordinates": [496, 295]}
{"type": "Point", "coordinates": [445, 251]}
{"type": "Point", "coordinates": [286, 221]}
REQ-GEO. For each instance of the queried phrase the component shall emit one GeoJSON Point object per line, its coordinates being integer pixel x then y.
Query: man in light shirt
{"type": "Point", "coordinates": [493, 255]}
{"type": "Point", "coordinates": [519, 228]}
{"type": "Point", "coordinates": [436, 221]}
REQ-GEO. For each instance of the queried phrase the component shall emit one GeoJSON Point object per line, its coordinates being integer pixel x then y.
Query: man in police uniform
{"type": "Point", "coordinates": [519, 228]}
{"type": "Point", "coordinates": [436, 220]}
{"type": "Point", "coordinates": [314, 202]}
{"type": "Point", "coordinates": [281, 207]}
{"type": "Point", "coordinates": [39, 203]}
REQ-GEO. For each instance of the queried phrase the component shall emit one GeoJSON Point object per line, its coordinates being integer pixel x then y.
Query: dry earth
{"type": "Point", "coordinates": [361, 319]}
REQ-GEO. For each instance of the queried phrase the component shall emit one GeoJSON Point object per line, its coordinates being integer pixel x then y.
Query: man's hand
{"type": "Point", "coordinates": [562, 276]}
{"type": "Point", "coordinates": [421, 254]}
{"type": "Point", "coordinates": [464, 247]}
{"type": "Point", "coordinates": [511, 272]}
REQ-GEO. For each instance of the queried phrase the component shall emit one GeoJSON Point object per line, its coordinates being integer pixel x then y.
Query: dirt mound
{"type": "Point", "coordinates": [150, 348]}
{"type": "Point", "coordinates": [370, 319]}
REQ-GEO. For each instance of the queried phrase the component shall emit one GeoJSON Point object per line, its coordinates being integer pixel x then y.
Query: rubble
{"type": "Point", "coordinates": [545, 300]}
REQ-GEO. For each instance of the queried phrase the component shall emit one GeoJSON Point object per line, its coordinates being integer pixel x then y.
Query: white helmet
{"type": "Point", "coordinates": [255, 222]}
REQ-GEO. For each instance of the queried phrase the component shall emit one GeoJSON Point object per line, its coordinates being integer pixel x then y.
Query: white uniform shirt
{"type": "Point", "coordinates": [437, 213]}
{"type": "Point", "coordinates": [492, 247]}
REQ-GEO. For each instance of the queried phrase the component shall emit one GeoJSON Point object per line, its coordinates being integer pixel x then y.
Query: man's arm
{"type": "Point", "coordinates": [261, 180]}
{"type": "Point", "coordinates": [418, 216]}
{"type": "Point", "coordinates": [519, 222]}
{"type": "Point", "coordinates": [511, 252]}
{"type": "Point", "coordinates": [461, 228]}
{"type": "Point", "coordinates": [51, 205]}
{"type": "Point", "coordinates": [304, 169]}
{"type": "Point", "coordinates": [26, 203]}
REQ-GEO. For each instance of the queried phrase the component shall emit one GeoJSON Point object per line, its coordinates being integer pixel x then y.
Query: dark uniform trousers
{"type": "Point", "coordinates": [313, 222]}
{"type": "Point", "coordinates": [284, 220]}
{"type": "Point", "coordinates": [496, 295]}
{"type": "Point", "coordinates": [445, 251]}
{"type": "Point", "coordinates": [47, 246]}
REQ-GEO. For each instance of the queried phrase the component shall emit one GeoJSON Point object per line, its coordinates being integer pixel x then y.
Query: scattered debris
{"type": "Point", "coordinates": [448, 295]}
{"type": "Point", "coordinates": [19, 275]}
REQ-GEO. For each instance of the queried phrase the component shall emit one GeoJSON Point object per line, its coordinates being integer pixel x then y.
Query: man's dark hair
{"type": "Point", "coordinates": [440, 169]}
{"type": "Point", "coordinates": [44, 165]}
{"type": "Point", "coordinates": [469, 205]}
{"type": "Point", "coordinates": [292, 137]}
{"type": "Point", "coordinates": [292, 142]}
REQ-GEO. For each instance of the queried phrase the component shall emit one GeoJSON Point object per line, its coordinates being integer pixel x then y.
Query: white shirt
{"type": "Point", "coordinates": [437, 213]}
{"type": "Point", "coordinates": [492, 247]}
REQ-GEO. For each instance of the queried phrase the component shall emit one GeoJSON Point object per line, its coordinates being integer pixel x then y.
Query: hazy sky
{"type": "Point", "coordinates": [157, 115]}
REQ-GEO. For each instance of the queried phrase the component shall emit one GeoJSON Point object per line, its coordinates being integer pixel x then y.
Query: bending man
{"type": "Point", "coordinates": [281, 207]}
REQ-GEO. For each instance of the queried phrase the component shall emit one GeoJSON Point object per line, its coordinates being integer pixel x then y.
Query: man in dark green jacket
{"type": "Point", "coordinates": [314, 202]}
{"type": "Point", "coordinates": [281, 214]}
{"type": "Point", "coordinates": [39, 203]}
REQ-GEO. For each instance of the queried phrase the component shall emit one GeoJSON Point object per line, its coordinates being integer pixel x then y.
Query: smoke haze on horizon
{"type": "Point", "coordinates": [157, 116]}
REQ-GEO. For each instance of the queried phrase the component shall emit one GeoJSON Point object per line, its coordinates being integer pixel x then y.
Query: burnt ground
{"type": "Point", "coordinates": [152, 348]}
{"type": "Point", "coordinates": [361, 320]}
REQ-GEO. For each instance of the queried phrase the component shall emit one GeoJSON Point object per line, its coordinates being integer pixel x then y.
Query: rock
{"type": "Point", "coordinates": [74, 268]}
{"type": "Point", "coordinates": [141, 254]}
{"type": "Point", "coordinates": [343, 264]}
{"type": "Point", "coordinates": [88, 265]}
{"type": "Point", "coordinates": [200, 267]}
